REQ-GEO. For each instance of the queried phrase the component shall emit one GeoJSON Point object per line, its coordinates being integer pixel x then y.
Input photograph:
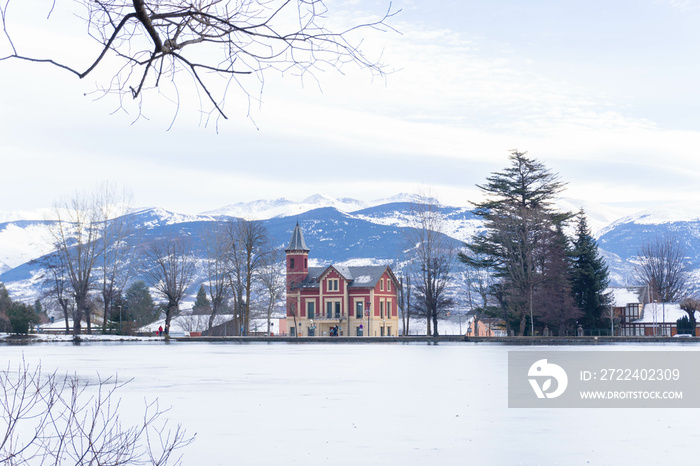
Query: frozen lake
{"type": "Point", "coordinates": [366, 404]}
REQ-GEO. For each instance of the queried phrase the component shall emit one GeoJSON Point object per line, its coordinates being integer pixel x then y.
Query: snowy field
{"type": "Point", "coordinates": [366, 404]}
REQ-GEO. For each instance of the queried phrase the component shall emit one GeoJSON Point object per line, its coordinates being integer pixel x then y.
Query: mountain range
{"type": "Point", "coordinates": [337, 231]}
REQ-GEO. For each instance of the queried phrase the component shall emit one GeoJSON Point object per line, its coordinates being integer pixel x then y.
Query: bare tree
{"type": "Point", "coordinates": [48, 419]}
{"type": "Point", "coordinates": [76, 232]}
{"type": "Point", "coordinates": [432, 262]}
{"type": "Point", "coordinates": [194, 322]}
{"type": "Point", "coordinates": [480, 279]}
{"type": "Point", "coordinates": [663, 267]}
{"type": "Point", "coordinates": [235, 276]}
{"type": "Point", "coordinates": [405, 301]}
{"type": "Point", "coordinates": [118, 256]}
{"type": "Point", "coordinates": [146, 44]}
{"type": "Point", "coordinates": [170, 269]}
{"type": "Point", "coordinates": [88, 231]}
{"type": "Point", "coordinates": [272, 281]}
{"type": "Point", "coordinates": [217, 246]}
{"type": "Point", "coordinates": [56, 286]}
{"type": "Point", "coordinates": [248, 249]}
{"type": "Point", "coordinates": [292, 311]}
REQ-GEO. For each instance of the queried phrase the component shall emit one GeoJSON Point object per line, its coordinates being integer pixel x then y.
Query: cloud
{"type": "Point", "coordinates": [447, 117]}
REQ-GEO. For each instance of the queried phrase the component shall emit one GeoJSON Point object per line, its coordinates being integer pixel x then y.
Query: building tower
{"type": "Point", "coordinates": [297, 259]}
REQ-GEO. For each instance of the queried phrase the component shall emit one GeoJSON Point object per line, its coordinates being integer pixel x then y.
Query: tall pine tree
{"type": "Point", "coordinates": [590, 277]}
{"type": "Point", "coordinates": [519, 216]}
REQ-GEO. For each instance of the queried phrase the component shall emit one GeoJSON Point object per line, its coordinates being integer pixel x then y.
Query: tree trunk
{"type": "Point", "coordinates": [64, 305]}
{"type": "Point", "coordinates": [76, 321]}
{"type": "Point", "coordinates": [171, 310]}
{"type": "Point", "coordinates": [435, 323]}
{"type": "Point", "coordinates": [523, 322]}
{"type": "Point", "coordinates": [246, 320]}
{"type": "Point", "coordinates": [214, 311]}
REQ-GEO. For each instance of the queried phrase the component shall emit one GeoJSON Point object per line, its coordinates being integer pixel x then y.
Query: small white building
{"type": "Point", "coordinates": [659, 319]}
{"type": "Point", "coordinates": [627, 305]}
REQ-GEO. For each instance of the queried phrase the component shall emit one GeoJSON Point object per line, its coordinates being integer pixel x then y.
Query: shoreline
{"type": "Point", "coordinates": [514, 341]}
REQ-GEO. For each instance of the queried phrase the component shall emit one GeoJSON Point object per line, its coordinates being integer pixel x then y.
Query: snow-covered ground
{"type": "Point", "coordinates": [350, 404]}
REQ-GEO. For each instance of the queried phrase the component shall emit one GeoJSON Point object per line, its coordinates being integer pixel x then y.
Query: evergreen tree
{"type": "Point", "coordinates": [5, 306]}
{"type": "Point", "coordinates": [201, 303]}
{"type": "Point", "coordinates": [554, 302]}
{"type": "Point", "coordinates": [518, 217]}
{"type": "Point", "coordinates": [21, 317]}
{"type": "Point", "coordinates": [138, 304]}
{"type": "Point", "coordinates": [15, 317]}
{"type": "Point", "coordinates": [690, 306]}
{"type": "Point", "coordinates": [683, 325]}
{"type": "Point", "coordinates": [590, 277]}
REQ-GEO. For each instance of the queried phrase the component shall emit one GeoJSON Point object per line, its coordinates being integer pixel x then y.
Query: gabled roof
{"type": "Point", "coordinates": [667, 312]}
{"type": "Point", "coordinates": [297, 242]}
{"type": "Point", "coordinates": [622, 296]}
{"type": "Point", "coordinates": [358, 277]}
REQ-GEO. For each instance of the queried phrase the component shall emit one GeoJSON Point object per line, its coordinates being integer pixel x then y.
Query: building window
{"type": "Point", "coordinates": [388, 284]}
{"type": "Point", "coordinates": [306, 263]}
{"type": "Point", "coordinates": [291, 263]}
{"type": "Point", "coordinates": [333, 284]}
{"type": "Point", "coordinates": [631, 312]}
{"type": "Point", "coordinates": [388, 309]}
{"type": "Point", "coordinates": [381, 331]}
{"type": "Point", "coordinates": [358, 309]}
{"type": "Point", "coordinates": [310, 308]}
{"type": "Point", "coordinates": [388, 331]}
{"type": "Point", "coordinates": [381, 310]}
{"type": "Point", "coordinates": [381, 285]}
{"type": "Point", "coordinates": [332, 309]}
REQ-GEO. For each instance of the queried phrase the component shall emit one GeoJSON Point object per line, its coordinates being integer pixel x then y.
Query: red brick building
{"type": "Point", "coordinates": [355, 301]}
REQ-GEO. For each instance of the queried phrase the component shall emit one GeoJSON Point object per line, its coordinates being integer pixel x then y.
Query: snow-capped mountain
{"type": "Point", "coordinates": [263, 209]}
{"type": "Point", "coordinates": [22, 241]}
{"type": "Point", "coordinates": [337, 231]}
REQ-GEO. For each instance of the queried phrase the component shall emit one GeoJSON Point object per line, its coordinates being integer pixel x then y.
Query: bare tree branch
{"type": "Point", "coordinates": [47, 419]}
{"type": "Point", "coordinates": [224, 38]}
{"type": "Point", "coordinates": [170, 270]}
{"type": "Point", "coordinates": [663, 267]}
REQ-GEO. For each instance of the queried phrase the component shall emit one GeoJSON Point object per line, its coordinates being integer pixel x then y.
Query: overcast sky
{"type": "Point", "coordinates": [603, 92]}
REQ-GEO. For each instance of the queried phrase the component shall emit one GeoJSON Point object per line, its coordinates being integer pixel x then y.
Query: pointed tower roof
{"type": "Point", "coordinates": [297, 242]}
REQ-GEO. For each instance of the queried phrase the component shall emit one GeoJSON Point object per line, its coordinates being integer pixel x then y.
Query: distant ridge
{"type": "Point", "coordinates": [343, 231]}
